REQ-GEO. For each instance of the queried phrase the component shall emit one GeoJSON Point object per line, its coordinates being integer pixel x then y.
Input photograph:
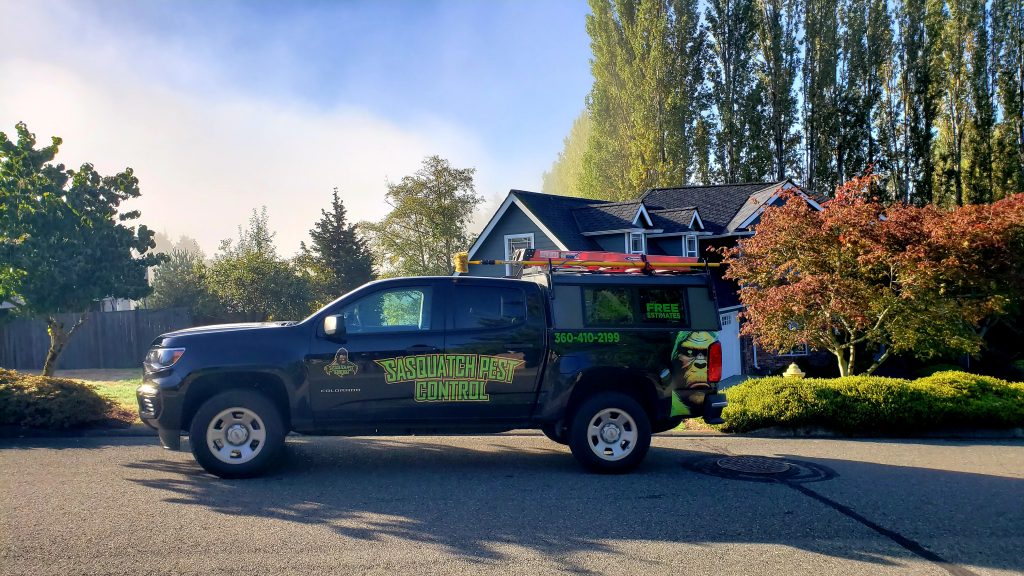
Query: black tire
{"type": "Point", "coordinates": [628, 433]}
{"type": "Point", "coordinates": [556, 432]}
{"type": "Point", "coordinates": [218, 421]}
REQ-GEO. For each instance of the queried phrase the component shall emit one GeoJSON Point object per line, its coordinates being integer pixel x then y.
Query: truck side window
{"type": "Point", "coordinates": [395, 310]}
{"type": "Point", "coordinates": [607, 306]}
{"type": "Point", "coordinates": [662, 305]}
{"type": "Point", "coordinates": [487, 307]}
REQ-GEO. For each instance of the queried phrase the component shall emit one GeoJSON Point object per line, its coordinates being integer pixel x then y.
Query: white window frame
{"type": "Point", "coordinates": [687, 238]}
{"type": "Point", "coordinates": [508, 251]}
{"type": "Point", "coordinates": [629, 242]}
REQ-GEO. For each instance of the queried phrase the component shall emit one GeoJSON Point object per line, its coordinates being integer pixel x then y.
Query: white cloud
{"type": "Point", "coordinates": [206, 157]}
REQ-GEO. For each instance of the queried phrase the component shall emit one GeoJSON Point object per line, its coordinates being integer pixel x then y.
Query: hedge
{"type": "Point", "coordinates": [875, 405]}
{"type": "Point", "coordinates": [51, 403]}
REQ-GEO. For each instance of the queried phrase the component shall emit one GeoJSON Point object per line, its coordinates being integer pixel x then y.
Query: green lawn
{"type": "Point", "coordinates": [118, 385]}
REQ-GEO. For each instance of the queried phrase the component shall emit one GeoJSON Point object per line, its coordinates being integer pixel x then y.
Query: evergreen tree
{"type": "Point", "coordinates": [339, 259]}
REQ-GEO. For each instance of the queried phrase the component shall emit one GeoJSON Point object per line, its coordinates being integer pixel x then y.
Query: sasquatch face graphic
{"type": "Point", "coordinates": [341, 357]}
{"type": "Point", "coordinates": [691, 353]}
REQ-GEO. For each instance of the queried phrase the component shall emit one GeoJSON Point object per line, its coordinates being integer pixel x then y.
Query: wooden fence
{"type": "Point", "coordinates": [105, 340]}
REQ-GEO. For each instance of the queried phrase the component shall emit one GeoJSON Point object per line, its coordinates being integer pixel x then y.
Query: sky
{"type": "Point", "coordinates": [223, 107]}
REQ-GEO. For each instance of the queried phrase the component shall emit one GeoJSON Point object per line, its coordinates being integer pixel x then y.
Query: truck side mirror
{"type": "Point", "coordinates": [334, 326]}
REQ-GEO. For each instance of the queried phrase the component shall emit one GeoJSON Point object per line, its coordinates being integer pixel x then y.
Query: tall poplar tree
{"type": "Point", "coordinates": [731, 29]}
{"type": "Point", "coordinates": [688, 95]}
{"type": "Point", "coordinates": [1008, 64]}
{"type": "Point", "coordinates": [566, 171]}
{"type": "Point", "coordinates": [777, 23]}
{"type": "Point", "coordinates": [629, 103]}
{"type": "Point", "coordinates": [820, 110]}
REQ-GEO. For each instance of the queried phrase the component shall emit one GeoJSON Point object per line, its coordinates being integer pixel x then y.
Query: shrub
{"type": "Point", "coordinates": [876, 405]}
{"type": "Point", "coordinates": [51, 403]}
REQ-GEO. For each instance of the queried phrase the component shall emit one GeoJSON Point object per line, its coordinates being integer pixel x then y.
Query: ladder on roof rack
{"type": "Point", "coordinates": [590, 261]}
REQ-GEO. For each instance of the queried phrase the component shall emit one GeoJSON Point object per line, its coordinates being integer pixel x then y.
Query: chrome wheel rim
{"type": "Point", "coordinates": [236, 435]}
{"type": "Point", "coordinates": [612, 434]}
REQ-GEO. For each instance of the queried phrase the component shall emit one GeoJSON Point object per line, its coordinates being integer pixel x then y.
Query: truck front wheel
{"type": "Point", "coordinates": [610, 433]}
{"type": "Point", "coordinates": [237, 434]}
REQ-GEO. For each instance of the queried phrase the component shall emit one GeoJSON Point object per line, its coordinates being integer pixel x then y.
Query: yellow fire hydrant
{"type": "Point", "coordinates": [793, 371]}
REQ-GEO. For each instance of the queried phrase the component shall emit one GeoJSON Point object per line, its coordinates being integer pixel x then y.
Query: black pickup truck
{"type": "Point", "coordinates": [597, 361]}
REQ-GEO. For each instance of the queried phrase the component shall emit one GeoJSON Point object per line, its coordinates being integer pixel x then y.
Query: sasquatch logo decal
{"type": "Point", "coordinates": [690, 355]}
{"type": "Point", "coordinates": [689, 364]}
{"type": "Point", "coordinates": [450, 377]}
{"type": "Point", "coordinates": [341, 366]}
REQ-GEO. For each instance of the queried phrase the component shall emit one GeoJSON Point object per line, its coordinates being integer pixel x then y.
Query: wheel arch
{"type": "Point", "coordinates": [205, 386]}
{"type": "Point", "coordinates": [613, 379]}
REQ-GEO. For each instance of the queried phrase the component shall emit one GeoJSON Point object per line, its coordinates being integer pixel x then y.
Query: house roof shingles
{"type": "Point", "coordinates": [556, 213]}
{"type": "Point", "coordinates": [717, 205]}
{"type": "Point", "coordinates": [721, 208]}
{"type": "Point", "coordinates": [673, 219]}
{"type": "Point", "coordinates": [606, 216]}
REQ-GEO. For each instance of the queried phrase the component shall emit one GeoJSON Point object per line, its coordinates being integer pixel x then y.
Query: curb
{"type": "Point", "coordinates": [130, 431]}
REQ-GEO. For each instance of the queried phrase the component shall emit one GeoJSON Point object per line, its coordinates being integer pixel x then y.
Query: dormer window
{"type": "Point", "coordinates": [637, 243]}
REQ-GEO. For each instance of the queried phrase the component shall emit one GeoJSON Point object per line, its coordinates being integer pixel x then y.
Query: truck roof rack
{"type": "Point", "coordinates": [551, 262]}
{"type": "Point", "coordinates": [590, 262]}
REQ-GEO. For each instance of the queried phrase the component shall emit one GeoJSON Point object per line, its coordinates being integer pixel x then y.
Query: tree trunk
{"type": "Point", "coordinates": [58, 340]}
{"type": "Point", "coordinates": [844, 366]}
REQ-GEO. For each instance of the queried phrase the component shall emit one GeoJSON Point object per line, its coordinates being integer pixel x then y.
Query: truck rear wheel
{"type": "Point", "coordinates": [237, 434]}
{"type": "Point", "coordinates": [610, 433]}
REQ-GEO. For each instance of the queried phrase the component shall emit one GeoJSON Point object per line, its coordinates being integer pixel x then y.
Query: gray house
{"type": "Point", "coordinates": [682, 221]}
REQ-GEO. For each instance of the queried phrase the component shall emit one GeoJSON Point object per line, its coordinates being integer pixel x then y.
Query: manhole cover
{"type": "Point", "coordinates": [754, 465]}
{"type": "Point", "coordinates": [760, 469]}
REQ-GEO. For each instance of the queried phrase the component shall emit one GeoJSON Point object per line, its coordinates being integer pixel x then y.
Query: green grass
{"type": "Point", "coordinates": [121, 392]}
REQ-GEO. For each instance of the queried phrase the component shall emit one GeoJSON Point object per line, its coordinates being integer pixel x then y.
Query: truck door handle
{"type": "Point", "coordinates": [421, 349]}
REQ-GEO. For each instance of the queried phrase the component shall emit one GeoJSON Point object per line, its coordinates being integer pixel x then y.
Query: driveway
{"type": "Point", "coordinates": [516, 504]}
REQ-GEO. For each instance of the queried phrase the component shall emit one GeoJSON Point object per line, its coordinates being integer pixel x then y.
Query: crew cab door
{"type": "Point", "coordinates": [352, 375]}
{"type": "Point", "coordinates": [500, 328]}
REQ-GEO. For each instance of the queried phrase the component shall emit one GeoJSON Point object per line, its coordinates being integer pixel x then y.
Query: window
{"type": "Point", "coordinates": [662, 305]}
{"type": "Point", "coordinates": [607, 306]}
{"type": "Point", "coordinates": [690, 245]}
{"type": "Point", "coordinates": [395, 310]}
{"type": "Point", "coordinates": [488, 307]}
{"type": "Point", "coordinates": [515, 242]}
{"type": "Point", "coordinates": [798, 350]}
{"type": "Point", "coordinates": [637, 243]}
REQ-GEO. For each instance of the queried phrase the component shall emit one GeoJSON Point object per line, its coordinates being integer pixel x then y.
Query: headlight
{"type": "Point", "coordinates": [160, 358]}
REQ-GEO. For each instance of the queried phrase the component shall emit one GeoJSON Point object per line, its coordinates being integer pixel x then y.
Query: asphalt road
{"type": "Point", "coordinates": [514, 504]}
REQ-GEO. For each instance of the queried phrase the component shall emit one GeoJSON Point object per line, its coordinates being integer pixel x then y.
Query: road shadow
{"type": "Point", "coordinates": [472, 501]}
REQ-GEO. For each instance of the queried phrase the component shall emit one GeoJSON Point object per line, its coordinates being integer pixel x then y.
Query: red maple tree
{"type": "Point", "coordinates": [860, 276]}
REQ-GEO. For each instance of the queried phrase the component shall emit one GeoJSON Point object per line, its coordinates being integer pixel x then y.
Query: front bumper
{"type": "Point", "coordinates": [160, 407]}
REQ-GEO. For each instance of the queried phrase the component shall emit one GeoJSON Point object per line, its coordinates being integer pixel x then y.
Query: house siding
{"type": "Point", "coordinates": [611, 242]}
{"type": "Point", "coordinates": [669, 245]}
{"type": "Point", "coordinates": [514, 221]}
